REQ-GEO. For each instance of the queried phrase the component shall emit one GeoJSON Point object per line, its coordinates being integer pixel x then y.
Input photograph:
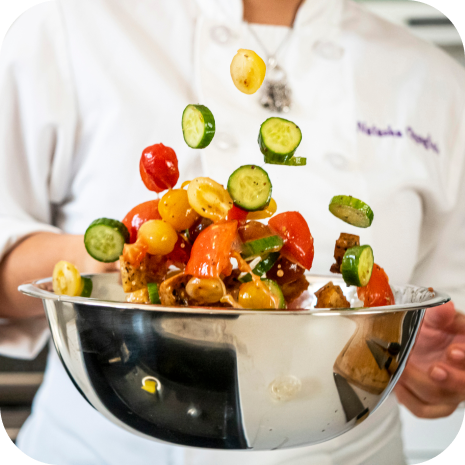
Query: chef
{"type": "Point", "coordinates": [85, 86]}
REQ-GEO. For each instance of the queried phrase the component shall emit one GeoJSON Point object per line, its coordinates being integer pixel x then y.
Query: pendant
{"type": "Point", "coordinates": [276, 93]}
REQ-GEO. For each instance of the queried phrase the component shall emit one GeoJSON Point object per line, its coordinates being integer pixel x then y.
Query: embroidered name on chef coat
{"type": "Point", "coordinates": [375, 131]}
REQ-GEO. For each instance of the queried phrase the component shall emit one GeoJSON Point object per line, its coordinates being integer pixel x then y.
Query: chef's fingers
{"type": "Point", "coordinates": [456, 355]}
{"type": "Point", "coordinates": [440, 317]}
{"type": "Point", "coordinates": [449, 378]}
{"type": "Point", "coordinates": [420, 408]}
{"type": "Point", "coordinates": [428, 387]}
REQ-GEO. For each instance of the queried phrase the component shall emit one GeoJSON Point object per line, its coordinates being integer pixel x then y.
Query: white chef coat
{"type": "Point", "coordinates": [86, 85]}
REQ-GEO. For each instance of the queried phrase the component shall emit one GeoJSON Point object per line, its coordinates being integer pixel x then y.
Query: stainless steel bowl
{"type": "Point", "coordinates": [231, 379]}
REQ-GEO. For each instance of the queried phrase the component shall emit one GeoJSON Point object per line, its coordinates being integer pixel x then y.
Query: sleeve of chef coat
{"type": "Point", "coordinates": [442, 247]}
{"type": "Point", "coordinates": [37, 126]}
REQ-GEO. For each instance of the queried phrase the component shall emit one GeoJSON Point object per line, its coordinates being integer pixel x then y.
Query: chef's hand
{"type": "Point", "coordinates": [433, 382]}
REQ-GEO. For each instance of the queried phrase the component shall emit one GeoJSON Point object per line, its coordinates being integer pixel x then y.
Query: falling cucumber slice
{"type": "Point", "coordinates": [261, 247]}
{"type": "Point", "coordinates": [105, 238]}
{"type": "Point", "coordinates": [278, 139]}
{"type": "Point", "coordinates": [294, 161]}
{"type": "Point", "coordinates": [198, 126]}
{"type": "Point", "coordinates": [357, 265]}
{"type": "Point", "coordinates": [351, 210]}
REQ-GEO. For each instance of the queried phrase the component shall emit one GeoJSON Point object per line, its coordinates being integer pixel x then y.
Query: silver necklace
{"type": "Point", "coordinates": [275, 92]}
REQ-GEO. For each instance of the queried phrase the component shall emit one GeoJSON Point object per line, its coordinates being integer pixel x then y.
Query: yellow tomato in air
{"type": "Point", "coordinates": [209, 199]}
{"type": "Point", "coordinates": [174, 208]}
{"type": "Point", "coordinates": [159, 237]}
{"type": "Point", "coordinates": [247, 71]}
{"type": "Point", "coordinates": [66, 279]}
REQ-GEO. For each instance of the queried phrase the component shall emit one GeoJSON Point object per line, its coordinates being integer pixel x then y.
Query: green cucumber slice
{"type": "Point", "coordinates": [105, 238]}
{"type": "Point", "coordinates": [351, 210]}
{"type": "Point", "coordinates": [273, 286]}
{"type": "Point", "coordinates": [263, 267]}
{"type": "Point", "coordinates": [86, 286]}
{"type": "Point", "coordinates": [357, 265]}
{"type": "Point", "coordinates": [153, 293]}
{"type": "Point", "coordinates": [198, 126]}
{"type": "Point", "coordinates": [294, 161]}
{"type": "Point", "coordinates": [262, 246]}
{"type": "Point", "coordinates": [278, 139]}
{"type": "Point", "coordinates": [250, 188]}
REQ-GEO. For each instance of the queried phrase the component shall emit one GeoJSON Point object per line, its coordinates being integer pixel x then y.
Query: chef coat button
{"type": "Point", "coordinates": [225, 141]}
{"type": "Point", "coordinates": [338, 161]}
{"type": "Point", "coordinates": [329, 50]}
{"type": "Point", "coordinates": [220, 34]}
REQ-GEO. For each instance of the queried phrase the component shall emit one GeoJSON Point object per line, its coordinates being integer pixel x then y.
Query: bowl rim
{"type": "Point", "coordinates": [33, 289]}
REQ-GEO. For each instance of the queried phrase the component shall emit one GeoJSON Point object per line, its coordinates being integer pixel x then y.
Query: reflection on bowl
{"type": "Point", "coordinates": [231, 379]}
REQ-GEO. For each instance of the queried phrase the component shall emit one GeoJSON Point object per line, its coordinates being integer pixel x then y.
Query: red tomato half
{"type": "Point", "coordinates": [134, 253]}
{"type": "Point", "coordinates": [159, 168]}
{"type": "Point", "coordinates": [211, 250]}
{"type": "Point", "coordinates": [377, 293]}
{"type": "Point", "coordinates": [139, 215]}
{"type": "Point", "coordinates": [298, 241]}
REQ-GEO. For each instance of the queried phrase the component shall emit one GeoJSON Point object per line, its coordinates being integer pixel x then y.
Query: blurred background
{"type": "Point", "coordinates": [424, 439]}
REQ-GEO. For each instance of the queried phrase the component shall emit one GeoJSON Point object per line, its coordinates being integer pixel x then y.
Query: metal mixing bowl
{"type": "Point", "coordinates": [231, 379]}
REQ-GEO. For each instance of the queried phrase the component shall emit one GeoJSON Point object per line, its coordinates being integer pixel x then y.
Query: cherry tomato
{"type": "Point", "coordinates": [159, 168]}
{"type": "Point", "coordinates": [238, 214]}
{"type": "Point", "coordinates": [139, 215]}
{"type": "Point", "coordinates": [159, 236]}
{"type": "Point", "coordinates": [252, 296]}
{"type": "Point", "coordinates": [180, 254]}
{"type": "Point", "coordinates": [377, 293]}
{"type": "Point", "coordinates": [134, 253]}
{"type": "Point", "coordinates": [298, 241]}
{"type": "Point", "coordinates": [175, 209]}
{"type": "Point", "coordinates": [211, 250]}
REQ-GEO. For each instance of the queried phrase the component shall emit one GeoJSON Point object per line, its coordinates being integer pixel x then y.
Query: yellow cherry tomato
{"type": "Point", "coordinates": [159, 237]}
{"type": "Point", "coordinates": [206, 290]}
{"type": "Point", "coordinates": [66, 279]}
{"type": "Point", "coordinates": [269, 211]}
{"type": "Point", "coordinates": [247, 71]}
{"type": "Point", "coordinates": [209, 199]}
{"type": "Point", "coordinates": [251, 296]}
{"type": "Point", "coordinates": [174, 208]}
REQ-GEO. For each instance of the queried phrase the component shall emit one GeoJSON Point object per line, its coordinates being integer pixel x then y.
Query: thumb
{"type": "Point", "coordinates": [441, 317]}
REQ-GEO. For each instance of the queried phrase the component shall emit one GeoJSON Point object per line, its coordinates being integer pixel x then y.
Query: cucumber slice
{"type": "Point", "coordinates": [153, 293]}
{"type": "Point", "coordinates": [357, 265]}
{"type": "Point", "coordinates": [198, 126]}
{"type": "Point", "coordinates": [294, 161]}
{"type": "Point", "coordinates": [278, 139]}
{"type": "Point", "coordinates": [250, 188]}
{"type": "Point", "coordinates": [86, 287]}
{"type": "Point", "coordinates": [262, 246]}
{"type": "Point", "coordinates": [105, 238]}
{"type": "Point", "coordinates": [351, 210]}
{"type": "Point", "coordinates": [273, 286]}
{"type": "Point", "coordinates": [263, 267]}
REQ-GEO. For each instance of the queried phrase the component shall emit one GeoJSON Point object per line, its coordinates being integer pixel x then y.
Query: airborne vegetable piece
{"type": "Point", "coordinates": [211, 251]}
{"type": "Point", "coordinates": [159, 168]}
{"type": "Point", "coordinates": [198, 126]}
{"type": "Point", "coordinates": [268, 212]}
{"type": "Point", "coordinates": [357, 265]}
{"type": "Point", "coordinates": [298, 241]}
{"type": "Point", "coordinates": [377, 293]}
{"type": "Point", "coordinates": [351, 210]}
{"type": "Point", "coordinates": [247, 71]}
{"type": "Point", "coordinates": [66, 279]}
{"type": "Point", "coordinates": [250, 188]}
{"type": "Point", "coordinates": [175, 209]}
{"type": "Point", "coordinates": [105, 238]}
{"type": "Point", "coordinates": [278, 140]}
{"type": "Point", "coordinates": [261, 247]}
{"type": "Point", "coordinates": [345, 241]}
{"type": "Point", "coordinates": [159, 237]}
{"type": "Point", "coordinates": [209, 199]}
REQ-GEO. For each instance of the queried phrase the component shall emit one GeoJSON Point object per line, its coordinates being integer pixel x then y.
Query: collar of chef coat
{"type": "Point", "coordinates": [316, 18]}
